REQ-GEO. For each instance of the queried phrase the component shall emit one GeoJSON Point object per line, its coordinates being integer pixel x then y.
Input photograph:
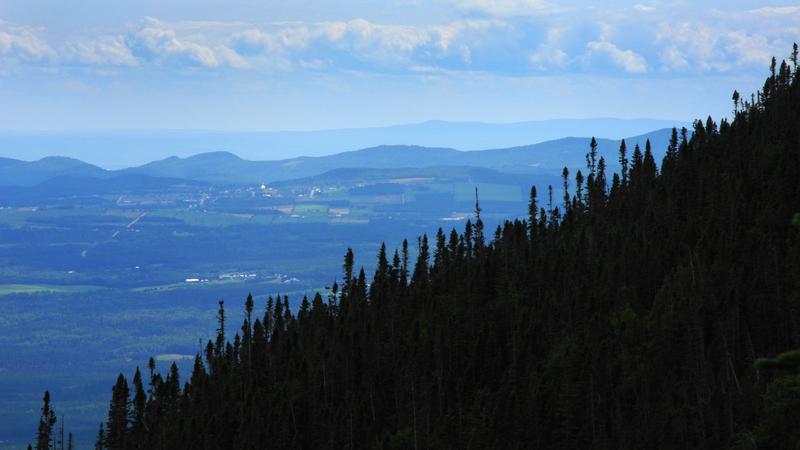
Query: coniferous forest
{"type": "Point", "coordinates": [654, 308]}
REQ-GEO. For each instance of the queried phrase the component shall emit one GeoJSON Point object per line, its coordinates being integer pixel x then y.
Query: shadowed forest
{"type": "Point", "coordinates": [657, 307]}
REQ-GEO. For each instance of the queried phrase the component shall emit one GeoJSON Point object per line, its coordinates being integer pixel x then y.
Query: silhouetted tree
{"type": "Point", "coordinates": [44, 435]}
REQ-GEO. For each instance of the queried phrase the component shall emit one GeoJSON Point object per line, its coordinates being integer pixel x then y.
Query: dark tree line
{"type": "Point", "coordinates": [631, 315]}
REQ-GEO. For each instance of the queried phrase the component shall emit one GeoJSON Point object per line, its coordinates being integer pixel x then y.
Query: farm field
{"type": "Point", "coordinates": [11, 289]}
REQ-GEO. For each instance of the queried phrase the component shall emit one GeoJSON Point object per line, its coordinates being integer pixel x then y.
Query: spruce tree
{"type": "Point", "coordinates": [404, 264]}
{"type": "Point", "coordinates": [348, 270]}
{"type": "Point", "coordinates": [591, 158]}
{"type": "Point", "coordinates": [478, 236]}
{"type": "Point", "coordinates": [100, 442]}
{"type": "Point", "coordinates": [623, 162]}
{"type": "Point", "coordinates": [118, 415]}
{"type": "Point", "coordinates": [565, 181]}
{"type": "Point", "coordinates": [533, 209]}
{"type": "Point", "coordinates": [44, 435]}
{"type": "Point", "coordinates": [219, 345]}
{"type": "Point", "coordinates": [139, 405]}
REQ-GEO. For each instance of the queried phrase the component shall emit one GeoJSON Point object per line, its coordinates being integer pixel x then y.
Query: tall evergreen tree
{"type": "Point", "coordinates": [100, 442]}
{"type": "Point", "coordinates": [47, 420]}
{"type": "Point", "coordinates": [532, 211]}
{"type": "Point", "coordinates": [591, 158]}
{"type": "Point", "coordinates": [139, 405]}
{"type": "Point", "coordinates": [623, 162]}
{"type": "Point", "coordinates": [118, 414]}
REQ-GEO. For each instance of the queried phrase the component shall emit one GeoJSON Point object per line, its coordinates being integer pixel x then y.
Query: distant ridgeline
{"type": "Point", "coordinates": [629, 312]}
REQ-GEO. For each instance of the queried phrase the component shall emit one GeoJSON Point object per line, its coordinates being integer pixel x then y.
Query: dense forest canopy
{"type": "Point", "coordinates": [654, 308]}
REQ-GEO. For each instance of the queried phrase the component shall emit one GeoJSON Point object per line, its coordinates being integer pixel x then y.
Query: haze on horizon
{"type": "Point", "coordinates": [241, 65]}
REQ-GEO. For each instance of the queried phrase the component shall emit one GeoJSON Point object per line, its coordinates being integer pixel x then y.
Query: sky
{"type": "Point", "coordinates": [320, 64]}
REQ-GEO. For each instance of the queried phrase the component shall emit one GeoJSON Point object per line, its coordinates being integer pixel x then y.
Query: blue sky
{"type": "Point", "coordinates": [267, 65]}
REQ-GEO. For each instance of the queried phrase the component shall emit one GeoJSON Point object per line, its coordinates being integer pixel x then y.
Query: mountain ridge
{"type": "Point", "coordinates": [116, 149]}
{"type": "Point", "coordinates": [223, 167]}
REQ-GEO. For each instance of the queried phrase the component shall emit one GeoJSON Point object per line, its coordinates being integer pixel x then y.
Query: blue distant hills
{"type": "Point", "coordinates": [226, 168]}
{"type": "Point", "coordinates": [116, 149]}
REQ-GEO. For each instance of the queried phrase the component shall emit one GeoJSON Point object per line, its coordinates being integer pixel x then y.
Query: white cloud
{"type": "Point", "coordinates": [105, 50]}
{"type": "Point", "coordinates": [368, 42]}
{"type": "Point", "coordinates": [628, 60]}
{"type": "Point", "coordinates": [519, 37]}
{"type": "Point", "coordinates": [687, 41]}
{"type": "Point", "coordinates": [229, 57]}
{"type": "Point", "coordinates": [504, 8]}
{"type": "Point", "coordinates": [747, 48]}
{"type": "Point", "coordinates": [545, 58]}
{"type": "Point", "coordinates": [548, 55]}
{"type": "Point", "coordinates": [22, 43]}
{"type": "Point", "coordinates": [673, 59]}
{"type": "Point", "coordinates": [383, 44]}
{"type": "Point", "coordinates": [359, 39]}
{"type": "Point", "coordinates": [776, 11]}
{"type": "Point", "coordinates": [287, 37]}
{"type": "Point", "coordinates": [709, 47]}
{"type": "Point", "coordinates": [162, 42]}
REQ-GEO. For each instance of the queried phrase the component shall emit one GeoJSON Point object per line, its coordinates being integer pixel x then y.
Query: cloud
{"type": "Point", "coordinates": [359, 42]}
{"type": "Point", "coordinates": [687, 41]}
{"type": "Point", "coordinates": [22, 43]}
{"type": "Point", "coordinates": [548, 55]}
{"type": "Point", "coordinates": [644, 8]}
{"type": "Point", "coordinates": [628, 60]}
{"type": "Point", "coordinates": [545, 58]}
{"type": "Point", "coordinates": [156, 40]}
{"type": "Point", "coordinates": [230, 57]}
{"type": "Point", "coordinates": [504, 37]}
{"type": "Point", "coordinates": [104, 50]}
{"type": "Point", "coordinates": [286, 37]}
{"type": "Point", "coordinates": [747, 49]}
{"type": "Point", "coordinates": [505, 8]}
{"type": "Point", "coordinates": [673, 59]}
{"type": "Point", "coordinates": [285, 45]}
{"type": "Point", "coordinates": [776, 11]}
{"type": "Point", "coordinates": [709, 47]}
{"type": "Point", "coordinates": [386, 45]}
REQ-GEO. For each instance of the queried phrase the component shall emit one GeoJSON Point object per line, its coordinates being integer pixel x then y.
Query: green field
{"type": "Point", "coordinates": [310, 208]}
{"type": "Point", "coordinates": [198, 218]}
{"type": "Point", "coordinates": [10, 289]}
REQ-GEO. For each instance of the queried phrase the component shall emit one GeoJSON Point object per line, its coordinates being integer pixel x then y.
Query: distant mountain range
{"type": "Point", "coordinates": [121, 149]}
{"type": "Point", "coordinates": [224, 168]}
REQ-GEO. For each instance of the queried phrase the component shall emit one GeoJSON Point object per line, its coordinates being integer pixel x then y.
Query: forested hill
{"type": "Point", "coordinates": [628, 314]}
